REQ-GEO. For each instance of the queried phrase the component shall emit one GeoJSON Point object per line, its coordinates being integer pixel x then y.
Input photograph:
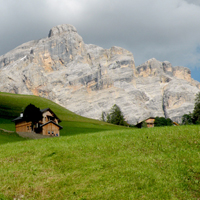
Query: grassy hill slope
{"type": "Point", "coordinates": [12, 104]}
{"type": "Point", "coordinates": [157, 163]}
{"type": "Point", "coordinates": [6, 137]}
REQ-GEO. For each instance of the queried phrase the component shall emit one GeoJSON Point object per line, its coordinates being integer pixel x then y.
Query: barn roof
{"type": "Point", "coordinates": [53, 123]}
{"type": "Point", "coordinates": [44, 110]}
{"type": "Point", "coordinates": [16, 119]}
{"type": "Point", "coordinates": [145, 119]}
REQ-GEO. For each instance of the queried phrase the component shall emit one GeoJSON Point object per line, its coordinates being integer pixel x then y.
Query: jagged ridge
{"type": "Point", "coordinates": [88, 79]}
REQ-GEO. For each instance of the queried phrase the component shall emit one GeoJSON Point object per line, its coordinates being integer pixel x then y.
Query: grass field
{"type": "Point", "coordinates": [156, 163]}
{"type": "Point", "coordinates": [6, 137]}
{"type": "Point", "coordinates": [96, 160]}
{"type": "Point", "coordinates": [11, 105]}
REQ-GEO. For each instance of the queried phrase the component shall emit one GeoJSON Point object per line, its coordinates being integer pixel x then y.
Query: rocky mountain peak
{"type": "Point", "coordinates": [89, 80]}
{"type": "Point", "coordinates": [152, 67]}
{"type": "Point", "coordinates": [60, 29]}
{"type": "Point", "coordinates": [182, 73]}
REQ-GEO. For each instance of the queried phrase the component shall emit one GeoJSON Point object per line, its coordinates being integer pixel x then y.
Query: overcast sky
{"type": "Point", "coordinates": [163, 29]}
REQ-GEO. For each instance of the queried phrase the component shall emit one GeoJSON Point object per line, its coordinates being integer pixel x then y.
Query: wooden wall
{"type": "Point", "coordinates": [45, 117]}
{"type": "Point", "coordinates": [51, 129]}
{"type": "Point", "coordinates": [45, 114]}
{"type": "Point", "coordinates": [23, 126]}
{"type": "Point", "coordinates": [150, 122]}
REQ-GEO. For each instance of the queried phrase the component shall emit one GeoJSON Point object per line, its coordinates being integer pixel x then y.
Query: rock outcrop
{"type": "Point", "coordinates": [88, 79]}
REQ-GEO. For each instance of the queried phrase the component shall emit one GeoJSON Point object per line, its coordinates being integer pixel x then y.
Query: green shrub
{"type": "Point", "coordinates": [187, 119]}
{"type": "Point", "coordinates": [161, 121]}
{"type": "Point", "coordinates": [144, 124]}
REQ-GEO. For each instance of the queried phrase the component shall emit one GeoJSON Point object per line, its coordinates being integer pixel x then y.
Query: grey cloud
{"type": "Point", "coordinates": [167, 30]}
{"type": "Point", "coordinates": [195, 2]}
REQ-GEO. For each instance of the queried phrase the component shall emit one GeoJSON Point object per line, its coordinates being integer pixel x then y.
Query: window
{"type": "Point", "coordinates": [27, 127]}
{"type": "Point", "coordinates": [48, 132]}
{"type": "Point", "coordinates": [52, 132]}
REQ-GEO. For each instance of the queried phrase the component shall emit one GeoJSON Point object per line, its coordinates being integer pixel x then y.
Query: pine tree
{"type": "Point", "coordinates": [116, 116]}
{"type": "Point", "coordinates": [187, 119]}
{"type": "Point", "coordinates": [103, 116]}
{"type": "Point", "coordinates": [196, 111]}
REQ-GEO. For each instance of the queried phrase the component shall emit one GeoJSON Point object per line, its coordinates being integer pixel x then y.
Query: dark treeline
{"type": "Point", "coordinates": [194, 117]}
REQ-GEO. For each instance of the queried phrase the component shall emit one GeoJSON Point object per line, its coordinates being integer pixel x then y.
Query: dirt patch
{"type": "Point", "coordinates": [32, 135]}
{"type": "Point", "coordinates": [6, 130]}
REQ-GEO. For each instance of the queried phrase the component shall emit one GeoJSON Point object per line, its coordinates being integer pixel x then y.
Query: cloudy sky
{"type": "Point", "coordinates": [166, 30]}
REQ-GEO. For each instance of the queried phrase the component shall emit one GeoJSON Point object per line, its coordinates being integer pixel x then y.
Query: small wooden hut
{"type": "Point", "coordinates": [149, 121]}
{"type": "Point", "coordinates": [47, 126]}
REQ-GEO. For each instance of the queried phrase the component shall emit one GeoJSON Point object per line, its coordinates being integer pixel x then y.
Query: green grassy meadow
{"type": "Point", "coordinates": [111, 163]}
{"type": "Point", "coordinates": [6, 137]}
{"type": "Point", "coordinates": [155, 163]}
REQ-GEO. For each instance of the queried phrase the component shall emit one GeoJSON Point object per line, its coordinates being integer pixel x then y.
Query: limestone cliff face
{"type": "Point", "coordinates": [88, 79]}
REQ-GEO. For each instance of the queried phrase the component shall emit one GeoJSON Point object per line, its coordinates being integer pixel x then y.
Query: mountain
{"type": "Point", "coordinates": [88, 79]}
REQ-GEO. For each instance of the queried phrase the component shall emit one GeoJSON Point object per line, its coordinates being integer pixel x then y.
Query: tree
{"type": "Point", "coordinates": [196, 111]}
{"type": "Point", "coordinates": [187, 119]}
{"type": "Point", "coordinates": [169, 122]}
{"type": "Point", "coordinates": [161, 121]}
{"type": "Point", "coordinates": [116, 116]}
{"type": "Point", "coordinates": [103, 116]}
{"type": "Point", "coordinates": [144, 124]}
{"type": "Point", "coordinates": [32, 114]}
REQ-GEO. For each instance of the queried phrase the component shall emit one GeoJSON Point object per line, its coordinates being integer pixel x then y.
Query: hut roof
{"type": "Point", "coordinates": [145, 119]}
{"type": "Point", "coordinates": [53, 123]}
